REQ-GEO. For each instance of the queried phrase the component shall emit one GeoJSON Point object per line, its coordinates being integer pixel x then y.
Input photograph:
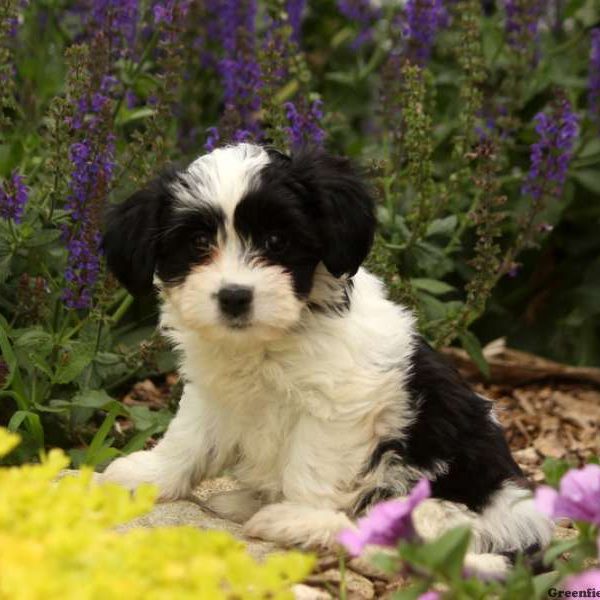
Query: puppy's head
{"type": "Point", "coordinates": [234, 240]}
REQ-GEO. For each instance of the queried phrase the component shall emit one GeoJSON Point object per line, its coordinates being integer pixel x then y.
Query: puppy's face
{"type": "Point", "coordinates": [234, 240]}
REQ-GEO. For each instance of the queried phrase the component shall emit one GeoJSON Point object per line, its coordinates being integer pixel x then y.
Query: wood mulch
{"type": "Point", "coordinates": [548, 410]}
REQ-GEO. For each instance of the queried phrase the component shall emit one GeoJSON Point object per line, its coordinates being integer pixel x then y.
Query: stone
{"type": "Point", "coordinates": [188, 512]}
{"type": "Point", "coordinates": [306, 592]}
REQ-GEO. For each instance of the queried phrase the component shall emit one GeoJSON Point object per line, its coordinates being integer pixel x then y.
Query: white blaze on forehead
{"type": "Point", "coordinates": [221, 178]}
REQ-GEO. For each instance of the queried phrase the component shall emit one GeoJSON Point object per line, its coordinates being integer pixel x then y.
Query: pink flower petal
{"type": "Point", "coordinates": [352, 540]}
{"type": "Point", "coordinates": [420, 492]}
{"type": "Point", "coordinates": [545, 500]}
{"type": "Point", "coordinates": [583, 581]}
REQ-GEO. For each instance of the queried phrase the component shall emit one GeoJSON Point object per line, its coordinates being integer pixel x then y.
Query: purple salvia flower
{"type": "Point", "coordinates": [13, 197]}
{"type": "Point", "coordinates": [386, 523]}
{"type": "Point", "coordinates": [93, 166]}
{"type": "Point", "coordinates": [239, 68]}
{"type": "Point", "coordinates": [578, 497]}
{"type": "Point", "coordinates": [594, 87]}
{"type": "Point", "coordinates": [423, 20]}
{"type": "Point", "coordinates": [119, 18]}
{"type": "Point", "coordinates": [550, 156]}
{"type": "Point", "coordinates": [294, 9]}
{"type": "Point", "coordinates": [522, 25]}
{"type": "Point", "coordinates": [92, 171]}
{"type": "Point", "coordinates": [212, 139]}
{"type": "Point", "coordinates": [305, 125]}
{"type": "Point", "coordinates": [167, 11]}
{"type": "Point", "coordinates": [364, 14]}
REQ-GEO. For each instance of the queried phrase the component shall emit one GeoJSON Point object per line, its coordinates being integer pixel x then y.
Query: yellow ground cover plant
{"type": "Point", "coordinates": [57, 542]}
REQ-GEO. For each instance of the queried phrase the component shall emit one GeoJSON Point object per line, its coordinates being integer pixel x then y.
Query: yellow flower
{"type": "Point", "coordinates": [57, 542]}
{"type": "Point", "coordinates": [7, 441]}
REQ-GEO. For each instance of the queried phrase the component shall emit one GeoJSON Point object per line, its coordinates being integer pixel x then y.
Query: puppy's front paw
{"type": "Point", "coordinates": [146, 467]}
{"type": "Point", "coordinates": [487, 566]}
{"type": "Point", "coordinates": [297, 525]}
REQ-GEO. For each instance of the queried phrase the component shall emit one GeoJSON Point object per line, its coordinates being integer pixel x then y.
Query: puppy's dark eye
{"type": "Point", "coordinates": [275, 243]}
{"type": "Point", "coordinates": [201, 240]}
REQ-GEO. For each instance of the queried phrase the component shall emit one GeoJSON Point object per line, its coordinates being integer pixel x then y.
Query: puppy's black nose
{"type": "Point", "coordinates": [235, 300]}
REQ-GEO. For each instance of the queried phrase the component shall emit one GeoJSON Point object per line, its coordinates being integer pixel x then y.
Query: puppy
{"type": "Point", "coordinates": [302, 379]}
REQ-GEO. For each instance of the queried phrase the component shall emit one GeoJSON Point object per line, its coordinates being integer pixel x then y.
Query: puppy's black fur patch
{"type": "Point", "coordinates": [186, 239]}
{"type": "Point", "coordinates": [132, 228]}
{"type": "Point", "coordinates": [319, 206]}
{"type": "Point", "coordinates": [454, 425]}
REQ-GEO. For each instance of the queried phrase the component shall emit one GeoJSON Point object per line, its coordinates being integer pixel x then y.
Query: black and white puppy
{"type": "Point", "coordinates": [301, 378]}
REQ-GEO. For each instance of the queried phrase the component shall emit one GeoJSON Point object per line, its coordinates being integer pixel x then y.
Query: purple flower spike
{"type": "Point", "coordinates": [364, 14]}
{"type": "Point", "coordinates": [305, 128]}
{"type": "Point", "coordinates": [522, 24]}
{"type": "Point", "coordinates": [165, 11]}
{"type": "Point", "coordinates": [550, 156]}
{"type": "Point", "coordinates": [594, 88]}
{"type": "Point", "coordinates": [424, 18]}
{"type": "Point", "coordinates": [239, 69]}
{"type": "Point", "coordinates": [386, 523]}
{"type": "Point", "coordinates": [294, 9]}
{"type": "Point", "coordinates": [13, 198]}
{"type": "Point", "coordinates": [119, 18]}
{"type": "Point", "coordinates": [578, 497]}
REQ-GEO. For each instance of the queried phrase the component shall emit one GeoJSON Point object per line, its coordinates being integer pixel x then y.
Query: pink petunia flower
{"type": "Point", "coordinates": [583, 581]}
{"type": "Point", "coordinates": [578, 497]}
{"type": "Point", "coordinates": [430, 595]}
{"type": "Point", "coordinates": [386, 523]}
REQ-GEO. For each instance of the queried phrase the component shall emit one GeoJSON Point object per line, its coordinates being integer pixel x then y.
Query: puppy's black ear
{"type": "Point", "coordinates": [343, 208]}
{"type": "Point", "coordinates": [131, 234]}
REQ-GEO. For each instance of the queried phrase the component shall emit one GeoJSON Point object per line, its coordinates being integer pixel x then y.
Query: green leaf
{"type": "Point", "coordinates": [138, 441]}
{"type": "Point", "coordinates": [433, 286]}
{"type": "Point", "coordinates": [92, 399]}
{"type": "Point", "coordinates": [554, 469]}
{"type": "Point", "coordinates": [434, 309]}
{"type": "Point", "coordinates": [8, 354]}
{"type": "Point", "coordinates": [40, 364]}
{"type": "Point", "coordinates": [34, 425]}
{"type": "Point", "coordinates": [572, 7]}
{"type": "Point", "coordinates": [35, 340]}
{"type": "Point", "coordinates": [93, 453]}
{"type": "Point", "coordinates": [543, 582]}
{"type": "Point", "coordinates": [144, 418]}
{"type": "Point", "coordinates": [129, 115]}
{"type": "Point", "coordinates": [589, 179]}
{"type": "Point", "coordinates": [429, 259]}
{"type": "Point", "coordinates": [446, 554]}
{"type": "Point", "coordinates": [559, 548]}
{"type": "Point", "coordinates": [445, 226]}
{"type": "Point", "coordinates": [41, 238]}
{"type": "Point", "coordinates": [386, 562]}
{"type": "Point", "coordinates": [473, 348]}
{"type": "Point", "coordinates": [5, 262]}
{"type": "Point", "coordinates": [79, 356]}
